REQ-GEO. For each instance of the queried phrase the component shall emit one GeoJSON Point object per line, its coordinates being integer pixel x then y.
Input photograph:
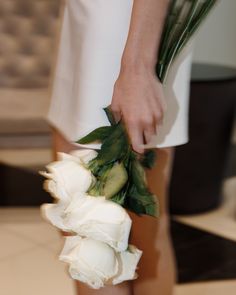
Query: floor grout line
{"type": "Point", "coordinates": [190, 221]}
{"type": "Point", "coordinates": [28, 238]}
{"type": "Point", "coordinates": [14, 255]}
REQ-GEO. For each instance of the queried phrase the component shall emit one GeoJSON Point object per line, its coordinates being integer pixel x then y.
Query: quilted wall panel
{"type": "Point", "coordinates": [27, 42]}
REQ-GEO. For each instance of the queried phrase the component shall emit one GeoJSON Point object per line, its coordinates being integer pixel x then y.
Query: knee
{"type": "Point", "coordinates": [60, 143]}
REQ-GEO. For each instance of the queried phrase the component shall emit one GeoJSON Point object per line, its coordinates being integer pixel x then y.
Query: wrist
{"type": "Point", "coordinates": [138, 64]}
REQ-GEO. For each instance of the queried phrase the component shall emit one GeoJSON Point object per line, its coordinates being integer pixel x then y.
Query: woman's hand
{"type": "Point", "coordinates": [139, 101]}
{"type": "Point", "coordinates": [138, 96]}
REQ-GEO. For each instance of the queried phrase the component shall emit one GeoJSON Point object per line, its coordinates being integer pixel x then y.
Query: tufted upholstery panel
{"type": "Point", "coordinates": [27, 37]}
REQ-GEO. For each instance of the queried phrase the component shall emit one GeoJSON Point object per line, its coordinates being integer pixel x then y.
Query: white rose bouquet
{"type": "Point", "coordinates": [93, 189]}
{"type": "Point", "coordinates": [97, 251]}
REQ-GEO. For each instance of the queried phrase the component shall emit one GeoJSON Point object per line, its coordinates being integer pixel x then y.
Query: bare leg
{"type": "Point", "coordinates": [157, 265]}
{"type": "Point", "coordinates": [61, 145]}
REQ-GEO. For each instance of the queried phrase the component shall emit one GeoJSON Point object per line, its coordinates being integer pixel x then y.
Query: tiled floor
{"type": "Point", "coordinates": [211, 288]}
{"type": "Point", "coordinates": [28, 258]}
{"type": "Point", "coordinates": [28, 255]}
{"type": "Point", "coordinates": [221, 221]}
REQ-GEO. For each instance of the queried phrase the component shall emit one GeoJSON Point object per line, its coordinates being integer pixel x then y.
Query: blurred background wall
{"type": "Point", "coordinates": [29, 32]}
{"type": "Point", "coordinates": [216, 40]}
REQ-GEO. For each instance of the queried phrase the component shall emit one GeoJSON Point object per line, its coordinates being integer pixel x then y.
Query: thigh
{"type": "Point", "coordinates": [60, 144]}
{"type": "Point", "coordinates": [151, 235]}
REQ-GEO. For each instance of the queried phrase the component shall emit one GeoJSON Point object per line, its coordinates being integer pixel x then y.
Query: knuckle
{"type": "Point", "coordinates": [115, 108]}
{"type": "Point", "coordinates": [131, 121]}
{"type": "Point", "coordinates": [158, 116]}
{"type": "Point", "coordinates": [147, 121]}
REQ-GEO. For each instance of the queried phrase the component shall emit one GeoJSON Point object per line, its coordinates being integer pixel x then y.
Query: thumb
{"type": "Point", "coordinates": [116, 114]}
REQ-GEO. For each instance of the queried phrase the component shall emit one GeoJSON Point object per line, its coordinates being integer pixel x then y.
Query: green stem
{"type": "Point", "coordinates": [187, 22]}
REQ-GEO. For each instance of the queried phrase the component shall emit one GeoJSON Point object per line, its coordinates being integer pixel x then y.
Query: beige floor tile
{"type": "Point", "coordinates": [221, 221]}
{"type": "Point", "coordinates": [27, 224]}
{"type": "Point", "coordinates": [218, 222]}
{"type": "Point", "coordinates": [55, 246]}
{"type": "Point", "coordinates": [37, 272]}
{"type": "Point", "coordinates": [40, 233]}
{"type": "Point", "coordinates": [12, 244]}
{"type": "Point", "coordinates": [26, 157]}
{"type": "Point", "coordinates": [20, 214]}
{"type": "Point", "coordinates": [208, 288]}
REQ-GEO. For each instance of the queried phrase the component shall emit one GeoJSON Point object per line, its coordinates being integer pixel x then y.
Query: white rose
{"type": "Point", "coordinates": [83, 156]}
{"type": "Point", "coordinates": [55, 214]}
{"type": "Point", "coordinates": [56, 190]}
{"type": "Point", "coordinates": [92, 262]}
{"type": "Point", "coordinates": [100, 219]}
{"type": "Point", "coordinates": [128, 261]}
{"type": "Point", "coordinates": [66, 177]}
{"type": "Point", "coordinates": [94, 217]}
{"type": "Point", "coordinates": [96, 264]}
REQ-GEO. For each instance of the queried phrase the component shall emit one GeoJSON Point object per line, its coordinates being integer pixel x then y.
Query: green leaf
{"type": "Point", "coordinates": [127, 157]}
{"type": "Point", "coordinates": [94, 191]}
{"type": "Point", "coordinates": [141, 203]}
{"type": "Point", "coordinates": [119, 198]}
{"type": "Point", "coordinates": [109, 115]}
{"type": "Point", "coordinates": [135, 206]}
{"type": "Point", "coordinates": [138, 176]}
{"type": "Point", "coordinates": [114, 147]}
{"type": "Point", "coordinates": [148, 159]}
{"type": "Point", "coordinates": [152, 210]}
{"type": "Point", "coordinates": [98, 134]}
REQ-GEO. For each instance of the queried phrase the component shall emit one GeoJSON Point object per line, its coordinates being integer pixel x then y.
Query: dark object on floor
{"type": "Point", "coordinates": [21, 187]}
{"type": "Point", "coordinates": [200, 165]}
{"type": "Point", "coordinates": [202, 256]}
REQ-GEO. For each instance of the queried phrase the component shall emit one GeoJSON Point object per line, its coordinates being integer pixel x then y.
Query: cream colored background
{"type": "Point", "coordinates": [216, 40]}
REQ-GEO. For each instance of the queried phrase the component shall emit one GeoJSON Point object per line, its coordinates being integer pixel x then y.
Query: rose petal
{"type": "Point", "coordinates": [67, 157]}
{"type": "Point", "coordinates": [67, 254]}
{"type": "Point", "coordinates": [92, 262]}
{"type": "Point", "coordinates": [46, 174]}
{"type": "Point", "coordinates": [56, 190]}
{"type": "Point", "coordinates": [92, 280]}
{"type": "Point", "coordinates": [85, 155]}
{"type": "Point", "coordinates": [72, 176]}
{"type": "Point", "coordinates": [128, 261]}
{"type": "Point", "coordinates": [100, 219]}
{"type": "Point", "coordinates": [54, 214]}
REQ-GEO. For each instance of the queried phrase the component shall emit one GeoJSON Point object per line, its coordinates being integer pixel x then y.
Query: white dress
{"type": "Point", "coordinates": [92, 39]}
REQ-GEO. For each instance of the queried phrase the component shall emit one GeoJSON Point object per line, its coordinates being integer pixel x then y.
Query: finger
{"type": "Point", "coordinates": [116, 114]}
{"type": "Point", "coordinates": [157, 110]}
{"type": "Point", "coordinates": [136, 137]}
{"type": "Point", "coordinates": [149, 131]}
{"type": "Point", "coordinates": [158, 120]}
{"type": "Point", "coordinates": [163, 103]}
{"type": "Point", "coordinates": [161, 100]}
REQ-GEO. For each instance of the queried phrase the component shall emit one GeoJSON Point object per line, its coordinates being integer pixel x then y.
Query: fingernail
{"type": "Point", "coordinates": [140, 151]}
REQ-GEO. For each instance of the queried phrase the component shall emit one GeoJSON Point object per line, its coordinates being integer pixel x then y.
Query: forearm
{"type": "Point", "coordinates": [145, 31]}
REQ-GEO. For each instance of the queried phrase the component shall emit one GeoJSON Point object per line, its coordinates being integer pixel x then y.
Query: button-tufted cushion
{"type": "Point", "coordinates": [27, 38]}
{"type": "Point", "coordinates": [29, 34]}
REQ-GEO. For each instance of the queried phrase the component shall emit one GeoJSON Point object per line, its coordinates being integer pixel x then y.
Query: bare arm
{"type": "Point", "coordinates": [138, 95]}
